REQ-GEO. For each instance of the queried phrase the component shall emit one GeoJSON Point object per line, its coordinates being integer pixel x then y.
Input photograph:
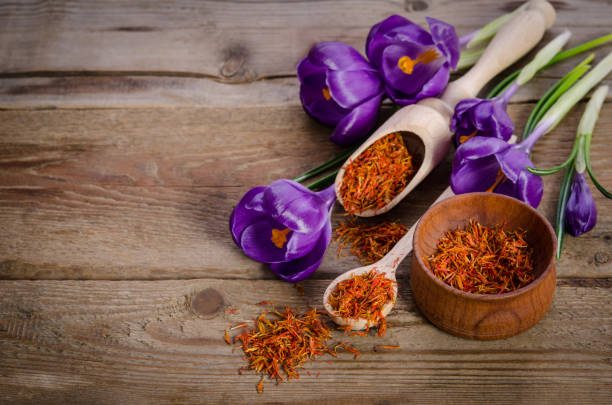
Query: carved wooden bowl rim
{"type": "Point", "coordinates": [458, 199]}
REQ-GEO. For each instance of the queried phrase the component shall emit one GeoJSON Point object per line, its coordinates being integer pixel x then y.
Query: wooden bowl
{"type": "Point", "coordinates": [483, 316]}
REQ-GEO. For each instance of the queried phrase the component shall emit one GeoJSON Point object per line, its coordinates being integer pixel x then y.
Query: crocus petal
{"type": "Point", "coordinates": [307, 68]}
{"type": "Point", "coordinates": [581, 212]}
{"type": "Point", "coordinates": [295, 206]}
{"type": "Point", "coordinates": [396, 78]}
{"type": "Point", "coordinates": [434, 86]}
{"type": "Point", "coordinates": [249, 209]}
{"type": "Point", "coordinates": [474, 175]}
{"type": "Point", "coordinates": [491, 119]}
{"type": "Point", "coordinates": [486, 118]}
{"type": "Point", "coordinates": [350, 88]}
{"type": "Point", "coordinates": [358, 123]}
{"type": "Point", "coordinates": [316, 105]}
{"type": "Point", "coordinates": [256, 241]}
{"type": "Point", "coordinates": [300, 244]}
{"type": "Point", "coordinates": [391, 30]}
{"type": "Point", "coordinates": [299, 269]}
{"type": "Point", "coordinates": [446, 40]}
{"type": "Point", "coordinates": [479, 147]}
{"type": "Point", "coordinates": [513, 161]}
{"type": "Point", "coordinates": [338, 56]}
{"type": "Point", "coordinates": [529, 188]}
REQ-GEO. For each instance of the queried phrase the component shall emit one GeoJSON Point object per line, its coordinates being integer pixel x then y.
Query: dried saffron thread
{"type": "Point", "coordinates": [483, 260]}
{"type": "Point", "coordinates": [284, 343]}
{"type": "Point", "coordinates": [369, 243]}
{"type": "Point", "coordinates": [386, 347]}
{"type": "Point", "coordinates": [364, 296]}
{"type": "Point", "coordinates": [377, 175]}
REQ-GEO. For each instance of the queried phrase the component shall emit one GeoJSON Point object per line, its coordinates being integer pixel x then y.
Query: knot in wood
{"type": "Point", "coordinates": [207, 302]}
{"type": "Point", "coordinates": [415, 5]}
{"type": "Point", "coordinates": [602, 258]}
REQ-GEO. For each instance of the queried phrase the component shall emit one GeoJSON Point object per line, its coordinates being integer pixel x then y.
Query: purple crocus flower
{"type": "Point", "coordinates": [491, 164]}
{"type": "Point", "coordinates": [414, 63]}
{"type": "Point", "coordinates": [580, 212]}
{"type": "Point", "coordinates": [483, 117]}
{"type": "Point", "coordinates": [339, 87]}
{"type": "Point", "coordinates": [286, 225]}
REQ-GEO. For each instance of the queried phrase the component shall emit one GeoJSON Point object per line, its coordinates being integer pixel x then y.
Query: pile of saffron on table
{"type": "Point", "coordinates": [284, 342]}
{"type": "Point", "coordinates": [369, 243]}
{"type": "Point", "coordinates": [364, 296]}
{"type": "Point", "coordinates": [377, 175]}
{"type": "Point", "coordinates": [483, 260]}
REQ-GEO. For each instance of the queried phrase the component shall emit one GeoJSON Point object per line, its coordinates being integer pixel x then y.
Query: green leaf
{"type": "Point", "coordinates": [561, 205]}
{"type": "Point", "coordinates": [553, 94]}
{"type": "Point", "coordinates": [501, 86]}
{"type": "Point", "coordinates": [335, 161]}
{"type": "Point", "coordinates": [469, 58]}
{"type": "Point", "coordinates": [488, 31]}
{"type": "Point", "coordinates": [561, 56]}
{"type": "Point", "coordinates": [556, 169]}
{"type": "Point", "coordinates": [579, 49]}
{"type": "Point", "coordinates": [323, 182]}
{"type": "Point", "coordinates": [587, 157]}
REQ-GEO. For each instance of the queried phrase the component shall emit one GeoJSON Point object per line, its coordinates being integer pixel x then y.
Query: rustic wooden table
{"type": "Point", "coordinates": [128, 131]}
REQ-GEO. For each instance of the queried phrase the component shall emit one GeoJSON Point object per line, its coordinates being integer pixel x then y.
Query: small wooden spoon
{"type": "Point", "coordinates": [425, 125]}
{"type": "Point", "coordinates": [386, 265]}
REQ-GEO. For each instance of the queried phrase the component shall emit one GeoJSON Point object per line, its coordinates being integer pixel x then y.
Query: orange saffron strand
{"type": "Point", "coordinates": [283, 342]}
{"type": "Point", "coordinates": [226, 338]}
{"type": "Point", "coordinates": [386, 347]}
{"type": "Point", "coordinates": [369, 243]}
{"type": "Point", "coordinates": [483, 260]}
{"type": "Point", "coordinates": [377, 175]}
{"type": "Point", "coordinates": [364, 296]}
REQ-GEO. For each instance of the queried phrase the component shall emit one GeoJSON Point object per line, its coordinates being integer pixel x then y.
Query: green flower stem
{"type": "Point", "coordinates": [587, 146]}
{"type": "Point", "coordinates": [542, 58]}
{"type": "Point", "coordinates": [556, 169]}
{"type": "Point", "coordinates": [323, 181]}
{"type": "Point", "coordinates": [469, 57]}
{"type": "Point", "coordinates": [335, 161]}
{"type": "Point", "coordinates": [487, 32]}
{"type": "Point", "coordinates": [501, 86]}
{"type": "Point", "coordinates": [579, 49]}
{"type": "Point", "coordinates": [565, 103]}
{"type": "Point", "coordinates": [558, 58]}
{"type": "Point", "coordinates": [566, 186]}
{"type": "Point", "coordinates": [553, 94]}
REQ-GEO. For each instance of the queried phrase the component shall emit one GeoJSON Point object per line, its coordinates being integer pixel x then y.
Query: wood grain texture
{"type": "Point", "coordinates": [233, 41]}
{"type": "Point", "coordinates": [144, 341]}
{"type": "Point", "coordinates": [146, 193]}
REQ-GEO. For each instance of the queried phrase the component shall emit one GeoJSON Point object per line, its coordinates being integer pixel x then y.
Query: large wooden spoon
{"type": "Point", "coordinates": [425, 125]}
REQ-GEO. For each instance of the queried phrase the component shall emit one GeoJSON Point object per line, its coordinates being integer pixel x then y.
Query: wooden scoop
{"type": "Point", "coordinates": [387, 265]}
{"type": "Point", "coordinates": [425, 125]}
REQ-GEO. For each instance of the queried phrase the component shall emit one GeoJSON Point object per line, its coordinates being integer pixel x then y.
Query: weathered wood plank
{"type": "Point", "coordinates": [146, 193]}
{"type": "Point", "coordinates": [161, 342]}
{"type": "Point", "coordinates": [148, 91]}
{"type": "Point", "coordinates": [230, 40]}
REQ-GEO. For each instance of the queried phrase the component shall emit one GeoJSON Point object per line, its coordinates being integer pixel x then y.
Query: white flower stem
{"type": "Point", "coordinates": [587, 125]}
{"type": "Point", "coordinates": [543, 57]}
{"type": "Point", "coordinates": [577, 92]}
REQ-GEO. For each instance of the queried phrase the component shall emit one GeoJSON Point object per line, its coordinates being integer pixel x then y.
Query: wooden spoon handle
{"type": "Point", "coordinates": [404, 246]}
{"type": "Point", "coordinates": [515, 38]}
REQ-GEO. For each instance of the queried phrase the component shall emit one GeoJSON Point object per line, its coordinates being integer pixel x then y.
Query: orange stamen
{"type": "Point", "coordinates": [500, 177]}
{"type": "Point", "coordinates": [326, 93]}
{"type": "Point", "coordinates": [465, 138]}
{"type": "Point", "coordinates": [279, 237]}
{"type": "Point", "coordinates": [407, 64]}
